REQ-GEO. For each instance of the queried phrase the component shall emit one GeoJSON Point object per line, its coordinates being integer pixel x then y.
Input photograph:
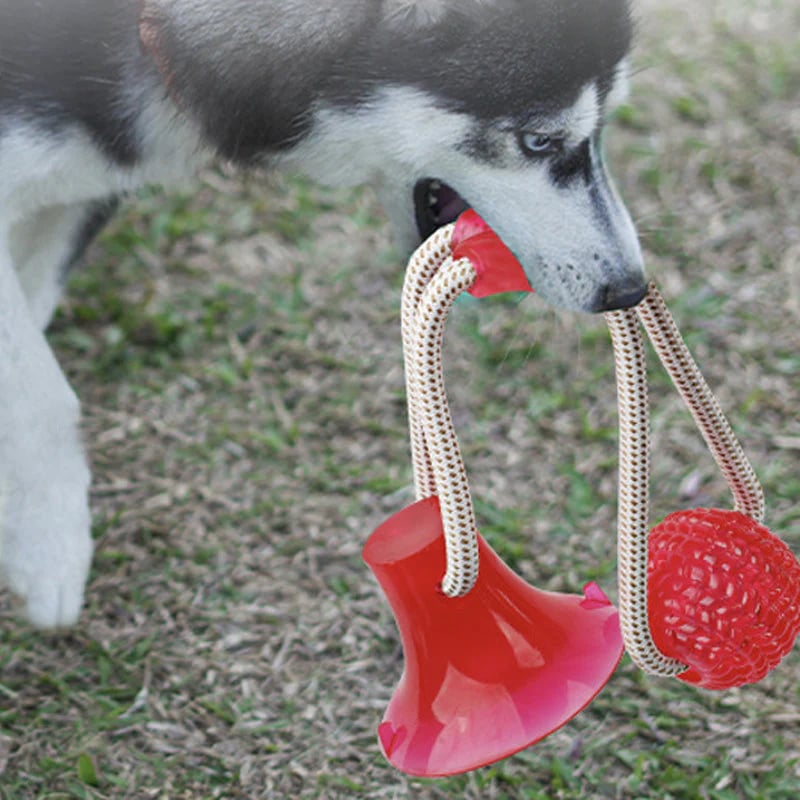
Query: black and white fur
{"type": "Point", "coordinates": [498, 104]}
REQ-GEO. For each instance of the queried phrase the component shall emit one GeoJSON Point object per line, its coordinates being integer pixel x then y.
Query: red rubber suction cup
{"type": "Point", "coordinates": [489, 673]}
{"type": "Point", "coordinates": [724, 596]}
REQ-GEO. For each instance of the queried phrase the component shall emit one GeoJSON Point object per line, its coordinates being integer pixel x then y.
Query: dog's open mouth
{"type": "Point", "coordinates": [436, 204]}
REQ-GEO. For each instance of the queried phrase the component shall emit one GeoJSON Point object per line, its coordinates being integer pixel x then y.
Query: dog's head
{"type": "Point", "coordinates": [500, 105]}
{"type": "Point", "coordinates": [494, 104]}
{"type": "Point", "coordinates": [514, 113]}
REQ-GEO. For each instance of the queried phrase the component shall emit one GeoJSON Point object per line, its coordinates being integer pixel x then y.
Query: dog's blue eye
{"type": "Point", "coordinates": [538, 144]}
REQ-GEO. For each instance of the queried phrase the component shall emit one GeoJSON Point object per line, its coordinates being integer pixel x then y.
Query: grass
{"type": "Point", "coordinates": [237, 353]}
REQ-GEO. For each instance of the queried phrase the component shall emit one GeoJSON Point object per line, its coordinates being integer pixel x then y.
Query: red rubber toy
{"type": "Point", "coordinates": [724, 596]}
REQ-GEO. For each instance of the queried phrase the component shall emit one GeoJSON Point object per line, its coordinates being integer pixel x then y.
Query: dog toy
{"type": "Point", "coordinates": [715, 598]}
{"type": "Point", "coordinates": [711, 596]}
{"type": "Point", "coordinates": [491, 664]}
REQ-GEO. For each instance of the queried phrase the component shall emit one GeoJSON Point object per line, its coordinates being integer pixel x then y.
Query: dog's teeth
{"type": "Point", "coordinates": [434, 187]}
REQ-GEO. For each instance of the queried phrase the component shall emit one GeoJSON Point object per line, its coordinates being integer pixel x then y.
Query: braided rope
{"type": "Point", "coordinates": [705, 409]}
{"type": "Point", "coordinates": [634, 466]}
{"type": "Point", "coordinates": [424, 264]}
{"type": "Point", "coordinates": [634, 471]}
{"type": "Point", "coordinates": [433, 282]}
{"type": "Point", "coordinates": [452, 486]}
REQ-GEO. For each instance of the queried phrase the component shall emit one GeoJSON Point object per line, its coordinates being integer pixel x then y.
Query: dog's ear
{"type": "Point", "coordinates": [153, 37]}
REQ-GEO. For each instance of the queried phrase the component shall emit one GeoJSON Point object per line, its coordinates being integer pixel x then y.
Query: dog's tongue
{"type": "Point", "coordinates": [496, 266]}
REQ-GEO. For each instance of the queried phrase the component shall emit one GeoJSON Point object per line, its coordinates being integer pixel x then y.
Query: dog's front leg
{"type": "Point", "coordinates": [45, 540]}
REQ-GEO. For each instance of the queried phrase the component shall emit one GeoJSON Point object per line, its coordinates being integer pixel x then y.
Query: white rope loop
{"type": "Point", "coordinates": [634, 466]}
{"type": "Point", "coordinates": [452, 486]}
{"type": "Point", "coordinates": [433, 282]}
{"type": "Point", "coordinates": [424, 264]}
{"type": "Point", "coordinates": [633, 513]}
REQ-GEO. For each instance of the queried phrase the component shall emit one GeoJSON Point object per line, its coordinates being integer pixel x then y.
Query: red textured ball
{"type": "Point", "coordinates": [723, 596]}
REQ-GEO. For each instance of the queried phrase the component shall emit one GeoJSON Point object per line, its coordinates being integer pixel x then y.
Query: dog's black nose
{"type": "Point", "coordinates": [616, 296]}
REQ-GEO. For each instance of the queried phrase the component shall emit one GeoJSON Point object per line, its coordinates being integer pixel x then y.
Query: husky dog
{"type": "Point", "coordinates": [440, 104]}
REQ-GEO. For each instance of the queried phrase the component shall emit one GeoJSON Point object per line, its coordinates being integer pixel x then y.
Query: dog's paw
{"type": "Point", "coordinates": [49, 575]}
{"type": "Point", "coordinates": [46, 551]}
{"type": "Point", "coordinates": [53, 602]}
